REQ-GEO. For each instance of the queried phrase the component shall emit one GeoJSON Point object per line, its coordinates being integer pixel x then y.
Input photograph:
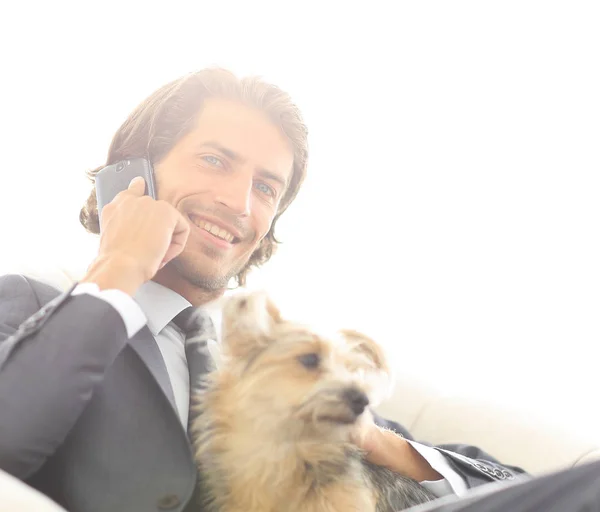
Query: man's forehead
{"type": "Point", "coordinates": [244, 133]}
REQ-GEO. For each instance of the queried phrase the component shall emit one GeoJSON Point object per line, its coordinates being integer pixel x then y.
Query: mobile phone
{"type": "Point", "coordinates": [116, 177]}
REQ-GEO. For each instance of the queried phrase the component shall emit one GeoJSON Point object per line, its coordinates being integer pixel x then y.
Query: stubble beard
{"type": "Point", "coordinates": [189, 269]}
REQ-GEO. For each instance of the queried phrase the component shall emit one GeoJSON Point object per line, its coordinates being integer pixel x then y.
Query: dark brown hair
{"type": "Point", "coordinates": [167, 115]}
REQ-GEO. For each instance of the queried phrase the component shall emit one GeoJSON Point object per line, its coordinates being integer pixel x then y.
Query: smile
{"type": "Point", "coordinates": [221, 233]}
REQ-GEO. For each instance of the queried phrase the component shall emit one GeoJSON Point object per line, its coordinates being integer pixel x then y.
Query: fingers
{"type": "Point", "coordinates": [137, 186]}
{"type": "Point", "coordinates": [179, 238]}
{"type": "Point", "coordinates": [149, 231]}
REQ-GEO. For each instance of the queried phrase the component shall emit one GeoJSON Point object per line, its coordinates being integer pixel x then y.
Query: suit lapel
{"type": "Point", "coordinates": [147, 349]}
{"type": "Point", "coordinates": [143, 343]}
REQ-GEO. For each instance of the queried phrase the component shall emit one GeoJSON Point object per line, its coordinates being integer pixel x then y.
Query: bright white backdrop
{"type": "Point", "coordinates": [452, 206]}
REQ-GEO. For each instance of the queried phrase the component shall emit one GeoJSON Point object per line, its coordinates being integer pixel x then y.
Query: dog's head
{"type": "Point", "coordinates": [291, 376]}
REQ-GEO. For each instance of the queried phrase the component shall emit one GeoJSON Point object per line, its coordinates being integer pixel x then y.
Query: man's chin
{"type": "Point", "coordinates": [200, 278]}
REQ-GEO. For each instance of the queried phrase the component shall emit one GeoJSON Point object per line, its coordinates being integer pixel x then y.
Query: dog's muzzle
{"type": "Point", "coordinates": [356, 400]}
{"type": "Point", "coordinates": [348, 405]}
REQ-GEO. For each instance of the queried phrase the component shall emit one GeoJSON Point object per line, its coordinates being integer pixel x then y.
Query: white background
{"type": "Point", "coordinates": [452, 207]}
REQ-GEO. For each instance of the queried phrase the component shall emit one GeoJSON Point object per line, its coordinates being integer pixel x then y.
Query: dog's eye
{"type": "Point", "coordinates": [310, 361]}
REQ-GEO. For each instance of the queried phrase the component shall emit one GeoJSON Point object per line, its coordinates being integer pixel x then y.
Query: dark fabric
{"type": "Point", "coordinates": [572, 490]}
{"type": "Point", "coordinates": [198, 329]}
{"type": "Point", "coordinates": [473, 464]}
{"type": "Point", "coordinates": [82, 417]}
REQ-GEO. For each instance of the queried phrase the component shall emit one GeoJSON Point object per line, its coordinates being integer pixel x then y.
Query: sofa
{"type": "Point", "coordinates": [534, 444]}
{"type": "Point", "coordinates": [431, 416]}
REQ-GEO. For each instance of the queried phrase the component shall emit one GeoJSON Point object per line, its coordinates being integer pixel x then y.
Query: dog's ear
{"type": "Point", "coordinates": [365, 346]}
{"type": "Point", "coordinates": [248, 322]}
{"type": "Point", "coordinates": [369, 360]}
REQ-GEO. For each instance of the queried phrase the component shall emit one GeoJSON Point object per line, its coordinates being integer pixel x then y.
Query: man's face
{"type": "Point", "coordinates": [227, 177]}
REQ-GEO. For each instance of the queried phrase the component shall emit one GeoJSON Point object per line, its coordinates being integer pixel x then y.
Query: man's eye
{"type": "Point", "coordinates": [265, 189]}
{"type": "Point", "coordinates": [310, 361]}
{"type": "Point", "coordinates": [213, 160]}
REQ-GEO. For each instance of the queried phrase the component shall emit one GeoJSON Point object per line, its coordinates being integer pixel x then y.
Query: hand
{"type": "Point", "coordinates": [385, 448]}
{"type": "Point", "coordinates": [138, 236]}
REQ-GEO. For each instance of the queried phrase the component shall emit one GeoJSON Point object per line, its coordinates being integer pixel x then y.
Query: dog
{"type": "Point", "coordinates": [274, 421]}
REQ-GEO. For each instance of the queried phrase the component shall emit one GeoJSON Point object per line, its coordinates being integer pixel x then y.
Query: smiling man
{"type": "Point", "coordinates": [95, 385]}
{"type": "Point", "coordinates": [228, 177]}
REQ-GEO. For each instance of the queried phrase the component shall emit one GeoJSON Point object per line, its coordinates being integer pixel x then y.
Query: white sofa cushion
{"type": "Point", "coordinates": [15, 496]}
{"type": "Point", "coordinates": [536, 445]}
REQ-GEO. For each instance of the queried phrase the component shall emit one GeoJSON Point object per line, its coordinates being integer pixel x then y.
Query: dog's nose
{"type": "Point", "coordinates": [356, 399]}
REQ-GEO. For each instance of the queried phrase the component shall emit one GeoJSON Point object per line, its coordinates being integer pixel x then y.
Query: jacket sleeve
{"type": "Point", "coordinates": [50, 363]}
{"type": "Point", "coordinates": [475, 466]}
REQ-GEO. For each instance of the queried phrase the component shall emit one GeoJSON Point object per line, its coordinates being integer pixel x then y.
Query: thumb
{"type": "Point", "coordinates": [137, 185]}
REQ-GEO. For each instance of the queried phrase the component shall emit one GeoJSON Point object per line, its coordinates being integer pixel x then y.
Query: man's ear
{"type": "Point", "coordinates": [248, 322]}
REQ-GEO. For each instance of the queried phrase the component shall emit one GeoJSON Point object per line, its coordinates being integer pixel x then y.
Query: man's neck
{"type": "Point", "coordinates": [195, 295]}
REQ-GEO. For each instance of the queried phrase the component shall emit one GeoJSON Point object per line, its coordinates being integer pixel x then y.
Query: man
{"type": "Point", "coordinates": [94, 386]}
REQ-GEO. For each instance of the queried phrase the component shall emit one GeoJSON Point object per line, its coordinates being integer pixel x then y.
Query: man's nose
{"type": "Point", "coordinates": [236, 194]}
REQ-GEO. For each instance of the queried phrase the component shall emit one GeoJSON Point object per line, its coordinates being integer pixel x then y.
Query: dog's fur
{"type": "Point", "coordinates": [274, 425]}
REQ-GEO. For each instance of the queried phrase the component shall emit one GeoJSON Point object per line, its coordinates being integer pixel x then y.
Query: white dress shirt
{"type": "Point", "coordinates": [157, 305]}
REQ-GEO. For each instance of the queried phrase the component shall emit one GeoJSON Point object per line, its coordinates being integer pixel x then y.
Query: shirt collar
{"type": "Point", "coordinates": [161, 304]}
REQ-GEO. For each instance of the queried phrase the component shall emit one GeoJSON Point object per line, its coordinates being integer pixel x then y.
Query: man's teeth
{"type": "Point", "coordinates": [215, 230]}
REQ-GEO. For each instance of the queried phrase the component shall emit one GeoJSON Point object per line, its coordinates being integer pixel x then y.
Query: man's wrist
{"type": "Point", "coordinates": [115, 273]}
{"type": "Point", "coordinates": [399, 456]}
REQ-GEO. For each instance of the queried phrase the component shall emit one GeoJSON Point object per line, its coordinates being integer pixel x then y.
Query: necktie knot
{"type": "Point", "coordinates": [195, 324]}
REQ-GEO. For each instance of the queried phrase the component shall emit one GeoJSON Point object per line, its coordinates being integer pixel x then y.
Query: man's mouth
{"type": "Point", "coordinates": [215, 230]}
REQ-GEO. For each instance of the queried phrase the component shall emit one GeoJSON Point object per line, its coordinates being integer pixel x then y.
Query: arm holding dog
{"type": "Point", "coordinates": [385, 448]}
{"type": "Point", "coordinates": [391, 445]}
{"type": "Point", "coordinates": [444, 469]}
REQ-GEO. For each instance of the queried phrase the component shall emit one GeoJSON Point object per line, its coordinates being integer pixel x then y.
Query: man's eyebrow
{"type": "Point", "coordinates": [270, 175]}
{"type": "Point", "coordinates": [229, 153]}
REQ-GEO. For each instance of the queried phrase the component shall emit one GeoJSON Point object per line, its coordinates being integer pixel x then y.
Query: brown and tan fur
{"type": "Point", "coordinates": [274, 432]}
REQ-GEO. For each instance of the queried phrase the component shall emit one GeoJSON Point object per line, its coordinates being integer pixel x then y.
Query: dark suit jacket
{"type": "Point", "coordinates": [87, 416]}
